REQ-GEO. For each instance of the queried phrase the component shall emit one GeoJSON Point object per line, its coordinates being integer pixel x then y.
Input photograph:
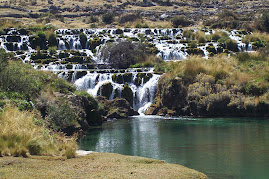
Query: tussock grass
{"type": "Point", "coordinates": [230, 71]}
{"type": "Point", "coordinates": [257, 36]}
{"type": "Point", "coordinates": [20, 136]}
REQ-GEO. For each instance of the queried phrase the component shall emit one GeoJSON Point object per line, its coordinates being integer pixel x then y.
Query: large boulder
{"type": "Point", "coordinates": [116, 108]}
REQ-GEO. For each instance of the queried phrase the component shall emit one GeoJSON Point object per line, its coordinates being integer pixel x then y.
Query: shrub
{"type": "Point", "coordinates": [231, 45]}
{"type": "Point", "coordinates": [52, 41]}
{"type": "Point", "coordinates": [124, 54]}
{"type": "Point", "coordinates": [52, 50]}
{"type": "Point", "coordinates": [18, 77]}
{"type": "Point", "coordinates": [93, 19]}
{"type": "Point", "coordinates": [189, 34]}
{"type": "Point", "coordinates": [108, 17]}
{"type": "Point", "coordinates": [180, 21]}
{"type": "Point", "coordinates": [129, 18]}
{"type": "Point", "coordinates": [200, 37]}
{"type": "Point", "coordinates": [3, 60]}
{"type": "Point", "coordinates": [62, 86]}
{"type": "Point", "coordinates": [61, 115]}
{"type": "Point", "coordinates": [83, 40]}
{"type": "Point", "coordinates": [192, 68]}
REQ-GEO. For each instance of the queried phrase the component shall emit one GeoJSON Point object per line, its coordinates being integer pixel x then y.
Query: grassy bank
{"type": "Point", "coordinates": [219, 86]}
{"type": "Point", "coordinates": [22, 134]}
{"type": "Point", "coordinates": [97, 165]}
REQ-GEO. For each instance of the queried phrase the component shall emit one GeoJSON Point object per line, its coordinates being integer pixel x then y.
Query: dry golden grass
{"type": "Point", "coordinates": [257, 36]}
{"type": "Point", "coordinates": [96, 165]}
{"type": "Point", "coordinates": [19, 136]}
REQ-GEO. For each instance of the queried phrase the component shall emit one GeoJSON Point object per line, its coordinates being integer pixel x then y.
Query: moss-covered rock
{"type": "Point", "coordinates": [211, 49]}
{"type": "Point", "coordinates": [127, 93]}
{"type": "Point", "coordinates": [127, 77]}
{"type": "Point", "coordinates": [106, 90]}
{"type": "Point", "coordinates": [118, 78]}
{"type": "Point", "coordinates": [93, 43]}
{"type": "Point", "coordinates": [195, 51]}
{"type": "Point", "coordinates": [81, 74]}
{"type": "Point", "coordinates": [116, 108]}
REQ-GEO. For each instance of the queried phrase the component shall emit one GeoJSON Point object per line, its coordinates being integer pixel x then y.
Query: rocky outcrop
{"type": "Point", "coordinates": [171, 98]}
{"type": "Point", "coordinates": [116, 108]}
{"type": "Point", "coordinates": [204, 98]}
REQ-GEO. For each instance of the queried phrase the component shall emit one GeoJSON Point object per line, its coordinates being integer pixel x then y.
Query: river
{"type": "Point", "coordinates": [218, 147]}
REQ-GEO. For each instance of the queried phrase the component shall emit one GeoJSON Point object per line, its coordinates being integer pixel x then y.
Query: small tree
{"type": "Point", "coordinates": [120, 55]}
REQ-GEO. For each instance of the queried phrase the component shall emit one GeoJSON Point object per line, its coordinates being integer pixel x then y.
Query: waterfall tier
{"type": "Point", "coordinates": [138, 88]}
{"type": "Point", "coordinates": [83, 45]}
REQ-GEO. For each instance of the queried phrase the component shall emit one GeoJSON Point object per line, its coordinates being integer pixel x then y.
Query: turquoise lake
{"type": "Point", "coordinates": [218, 147]}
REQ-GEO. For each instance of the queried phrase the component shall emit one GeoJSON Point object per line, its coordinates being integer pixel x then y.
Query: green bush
{"type": "Point", "coordinates": [231, 45]}
{"type": "Point", "coordinates": [62, 86]}
{"type": "Point", "coordinates": [61, 115]}
{"type": "Point", "coordinates": [83, 40]}
{"type": "Point", "coordinates": [52, 50]}
{"type": "Point", "coordinates": [19, 77]}
{"type": "Point", "coordinates": [129, 18]}
{"type": "Point", "coordinates": [52, 41]}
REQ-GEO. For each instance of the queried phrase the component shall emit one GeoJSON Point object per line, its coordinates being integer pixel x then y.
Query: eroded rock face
{"type": "Point", "coordinates": [116, 108]}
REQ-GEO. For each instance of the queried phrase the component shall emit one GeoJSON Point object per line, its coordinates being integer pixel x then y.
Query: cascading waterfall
{"type": "Point", "coordinates": [143, 94]}
{"type": "Point", "coordinates": [74, 59]}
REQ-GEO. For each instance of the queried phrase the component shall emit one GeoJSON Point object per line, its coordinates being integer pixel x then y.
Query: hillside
{"type": "Point", "coordinates": [135, 13]}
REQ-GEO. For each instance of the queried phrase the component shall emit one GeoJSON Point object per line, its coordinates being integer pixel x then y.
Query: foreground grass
{"type": "Point", "coordinates": [21, 136]}
{"type": "Point", "coordinates": [96, 165]}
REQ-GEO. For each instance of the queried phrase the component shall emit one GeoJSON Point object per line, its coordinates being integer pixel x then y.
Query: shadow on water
{"type": "Point", "coordinates": [220, 147]}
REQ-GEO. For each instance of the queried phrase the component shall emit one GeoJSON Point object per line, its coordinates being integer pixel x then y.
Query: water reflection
{"type": "Point", "coordinates": [221, 148]}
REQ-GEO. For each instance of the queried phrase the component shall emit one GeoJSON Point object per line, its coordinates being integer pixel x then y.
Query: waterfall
{"type": "Point", "coordinates": [76, 58]}
{"type": "Point", "coordinates": [169, 43]}
{"type": "Point", "coordinates": [143, 94]}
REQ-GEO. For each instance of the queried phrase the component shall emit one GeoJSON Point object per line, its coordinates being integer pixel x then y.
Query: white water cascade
{"type": "Point", "coordinates": [77, 56]}
{"type": "Point", "coordinates": [143, 93]}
